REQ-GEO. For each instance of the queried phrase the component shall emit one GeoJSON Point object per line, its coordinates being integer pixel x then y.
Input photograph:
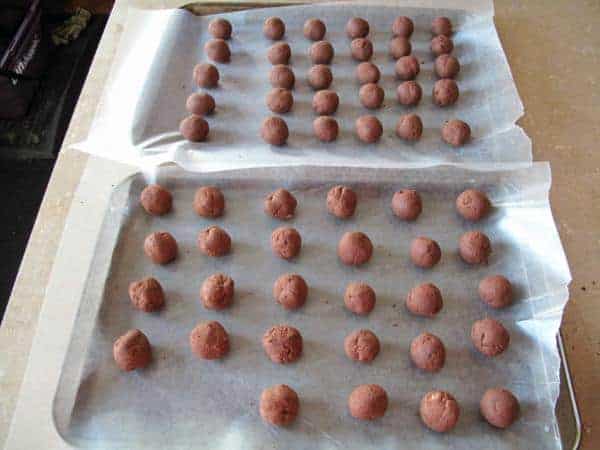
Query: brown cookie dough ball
{"type": "Point", "coordinates": [160, 247]}
{"type": "Point", "coordinates": [474, 247]}
{"type": "Point", "coordinates": [321, 52]}
{"type": "Point", "coordinates": [409, 127]}
{"type": "Point", "coordinates": [403, 26]}
{"type": "Point", "coordinates": [361, 345]}
{"type": "Point", "coordinates": [441, 45]}
{"type": "Point", "coordinates": [456, 132]}
{"type": "Point", "coordinates": [409, 93]}
{"type": "Point", "coordinates": [279, 405]}
{"type": "Point", "coordinates": [499, 407]}
{"type": "Point", "coordinates": [326, 128]}
{"type": "Point", "coordinates": [220, 28]}
{"type": "Point", "coordinates": [361, 49]}
{"type": "Point", "coordinates": [290, 291]}
{"type": "Point", "coordinates": [279, 53]}
{"type": "Point", "coordinates": [441, 25]}
{"type": "Point", "coordinates": [445, 92]}
{"type": "Point", "coordinates": [427, 352]}
{"type": "Point", "coordinates": [206, 75]}
{"type": "Point", "coordinates": [218, 50]}
{"type": "Point", "coordinates": [194, 128]}
{"type": "Point", "coordinates": [355, 248]}
{"type": "Point", "coordinates": [439, 411]}
{"type": "Point", "coordinates": [209, 340]}
{"type": "Point", "coordinates": [489, 337]}
{"type": "Point", "coordinates": [209, 202]}
{"type": "Point", "coordinates": [425, 252]}
{"type": "Point", "coordinates": [274, 131]}
{"type": "Point", "coordinates": [217, 291]}
{"type": "Point", "coordinates": [314, 29]}
{"type": "Point", "coordinates": [424, 300]}
{"type": "Point", "coordinates": [357, 28]}
{"type": "Point", "coordinates": [473, 205]}
{"type": "Point", "coordinates": [325, 102]}
{"type": "Point", "coordinates": [282, 344]}
{"type": "Point", "coordinates": [274, 28]}
{"type": "Point", "coordinates": [399, 47]}
{"type": "Point", "coordinates": [368, 129]}
{"type": "Point", "coordinates": [360, 298]}
{"type": "Point", "coordinates": [282, 77]}
{"type": "Point", "coordinates": [214, 241]}
{"type": "Point", "coordinates": [407, 67]}
{"type": "Point", "coordinates": [407, 204]}
{"type": "Point", "coordinates": [367, 72]}
{"type": "Point", "coordinates": [132, 351]}
{"type": "Point", "coordinates": [319, 77]}
{"type": "Point", "coordinates": [281, 204]}
{"type": "Point", "coordinates": [496, 291]}
{"type": "Point", "coordinates": [446, 66]}
{"type": "Point", "coordinates": [371, 95]}
{"type": "Point", "coordinates": [341, 201]}
{"type": "Point", "coordinates": [280, 100]}
{"type": "Point", "coordinates": [368, 402]}
{"type": "Point", "coordinates": [200, 104]}
{"type": "Point", "coordinates": [156, 200]}
{"type": "Point", "coordinates": [147, 294]}
{"type": "Point", "coordinates": [286, 242]}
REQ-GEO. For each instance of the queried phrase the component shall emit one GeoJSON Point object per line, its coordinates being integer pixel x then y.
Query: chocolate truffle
{"type": "Point", "coordinates": [282, 344]}
{"type": "Point", "coordinates": [321, 52]}
{"type": "Point", "coordinates": [361, 49]}
{"type": "Point", "coordinates": [319, 77]}
{"type": "Point", "coordinates": [409, 127]}
{"type": "Point", "coordinates": [496, 291]}
{"type": "Point", "coordinates": [218, 50]}
{"type": "Point", "coordinates": [209, 340]}
{"type": "Point", "coordinates": [280, 204]}
{"type": "Point", "coordinates": [445, 92]}
{"type": "Point", "coordinates": [407, 204]}
{"type": "Point", "coordinates": [214, 241]}
{"type": "Point", "coordinates": [473, 205]}
{"type": "Point", "coordinates": [361, 345]}
{"type": "Point", "coordinates": [357, 28]}
{"type": "Point", "coordinates": [132, 351]}
{"type": "Point", "coordinates": [360, 298]}
{"type": "Point", "coordinates": [156, 200]}
{"type": "Point", "coordinates": [274, 131]}
{"type": "Point", "coordinates": [286, 242]}
{"type": "Point", "coordinates": [456, 132]}
{"type": "Point", "coordinates": [355, 248]}
{"type": "Point", "coordinates": [147, 294]}
{"type": "Point", "coordinates": [441, 45]}
{"type": "Point", "coordinates": [371, 95]}
{"type": "Point", "coordinates": [474, 247]}
{"type": "Point", "coordinates": [220, 28]}
{"type": "Point", "coordinates": [194, 128]}
{"type": "Point", "coordinates": [425, 252]}
{"type": "Point", "coordinates": [290, 291]}
{"type": "Point", "coordinates": [489, 337]}
{"type": "Point", "coordinates": [325, 102]}
{"type": "Point", "coordinates": [399, 47]}
{"type": "Point", "coordinates": [439, 411]}
{"type": "Point", "coordinates": [409, 93]}
{"type": "Point", "coordinates": [282, 77]}
{"type": "Point", "coordinates": [274, 28]}
{"type": "Point", "coordinates": [326, 128]}
{"type": "Point", "coordinates": [217, 291]}
{"type": "Point", "coordinates": [368, 129]}
{"type": "Point", "coordinates": [427, 352]}
{"type": "Point", "coordinates": [160, 247]}
{"type": "Point", "coordinates": [280, 100]}
{"type": "Point", "coordinates": [341, 201]}
{"type": "Point", "coordinates": [279, 53]}
{"type": "Point", "coordinates": [314, 29]}
{"type": "Point", "coordinates": [367, 72]}
{"type": "Point", "coordinates": [441, 25]}
{"type": "Point", "coordinates": [424, 300]}
{"type": "Point", "coordinates": [446, 66]}
{"type": "Point", "coordinates": [407, 67]}
{"type": "Point", "coordinates": [209, 202]}
{"type": "Point", "coordinates": [206, 75]}
{"type": "Point", "coordinates": [200, 104]}
{"type": "Point", "coordinates": [368, 402]}
{"type": "Point", "coordinates": [499, 407]}
{"type": "Point", "coordinates": [403, 26]}
{"type": "Point", "coordinates": [279, 405]}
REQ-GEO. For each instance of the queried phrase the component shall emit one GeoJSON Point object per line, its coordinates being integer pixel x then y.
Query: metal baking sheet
{"type": "Point", "coordinates": [182, 402]}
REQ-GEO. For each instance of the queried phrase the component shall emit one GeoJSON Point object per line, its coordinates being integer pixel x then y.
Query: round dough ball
{"type": "Point", "coordinates": [274, 28]}
{"type": "Point", "coordinates": [282, 77]}
{"type": "Point", "coordinates": [325, 102]}
{"type": "Point", "coordinates": [209, 340]}
{"type": "Point", "coordinates": [206, 75]}
{"type": "Point", "coordinates": [409, 93]}
{"type": "Point", "coordinates": [217, 292]}
{"type": "Point", "coordinates": [407, 67]}
{"type": "Point", "coordinates": [280, 100]}
{"type": "Point", "coordinates": [279, 53]}
{"type": "Point", "coordinates": [474, 247]}
{"type": "Point", "coordinates": [439, 411]}
{"type": "Point", "coordinates": [290, 291]}
{"type": "Point", "coordinates": [194, 128]}
{"type": "Point", "coordinates": [156, 200]}
{"type": "Point", "coordinates": [209, 202]}
{"type": "Point", "coordinates": [274, 131]}
{"type": "Point", "coordinates": [445, 92]}
{"type": "Point", "coordinates": [357, 28]}
{"type": "Point", "coordinates": [399, 47]}
{"type": "Point", "coordinates": [319, 77]}
{"type": "Point", "coordinates": [409, 127]}
{"type": "Point", "coordinates": [214, 241]}
{"type": "Point", "coordinates": [220, 28]}
{"type": "Point", "coordinates": [286, 242]}
{"type": "Point", "coordinates": [425, 252]}
{"type": "Point", "coordinates": [200, 104]}
{"type": "Point", "coordinates": [361, 345]}
{"type": "Point", "coordinates": [441, 45]}
{"type": "Point", "coordinates": [371, 95]}
{"type": "Point", "coordinates": [282, 344]}
{"type": "Point", "coordinates": [403, 26]}
{"type": "Point", "coordinates": [473, 205]}
{"type": "Point", "coordinates": [160, 247]}
{"type": "Point", "coordinates": [321, 52]}
{"type": "Point", "coordinates": [446, 66]}
{"type": "Point", "coordinates": [132, 351]}
{"type": "Point", "coordinates": [314, 29]}
{"type": "Point", "coordinates": [489, 337]}
{"type": "Point", "coordinates": [407, 204]}
{"type": "Point", "coordinates": [361, 49]}
{"type": "Point", "coordinates": [456, 132]}
{"type": "Point", "coordinates": [499, 407]}
{"type": "Point", "coordinates": [360, 298]}
{"type": "Point", "coordinates": [367, 72]}
{"type": "Point", "coordinates": [427, 352]}
{"type": "Point", "coordinates": [368, 129]}
{"type": "Point", "coordinates": [355, 248]}
{"type": "Point", "coordinates": [218, 50]}
{"type": "Point", "coordinates": [424, 300]}
{"type": "Point", "coordinates": [341, 201]}
{"type": "Point", "coordinates": [147, 294]}
{"type": "Point", "coordinates": [441, 25]}
{"type": "Point", "coordinates": [326, 128]}
{"type": "Point", "coordinates": [496, 291]}
{"type": "Point", "coordinates": [279, 405]}
{"type": "Point", "coordinates": [368, 402]}
{"type": "Point", "coordinates": [281, 204]}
